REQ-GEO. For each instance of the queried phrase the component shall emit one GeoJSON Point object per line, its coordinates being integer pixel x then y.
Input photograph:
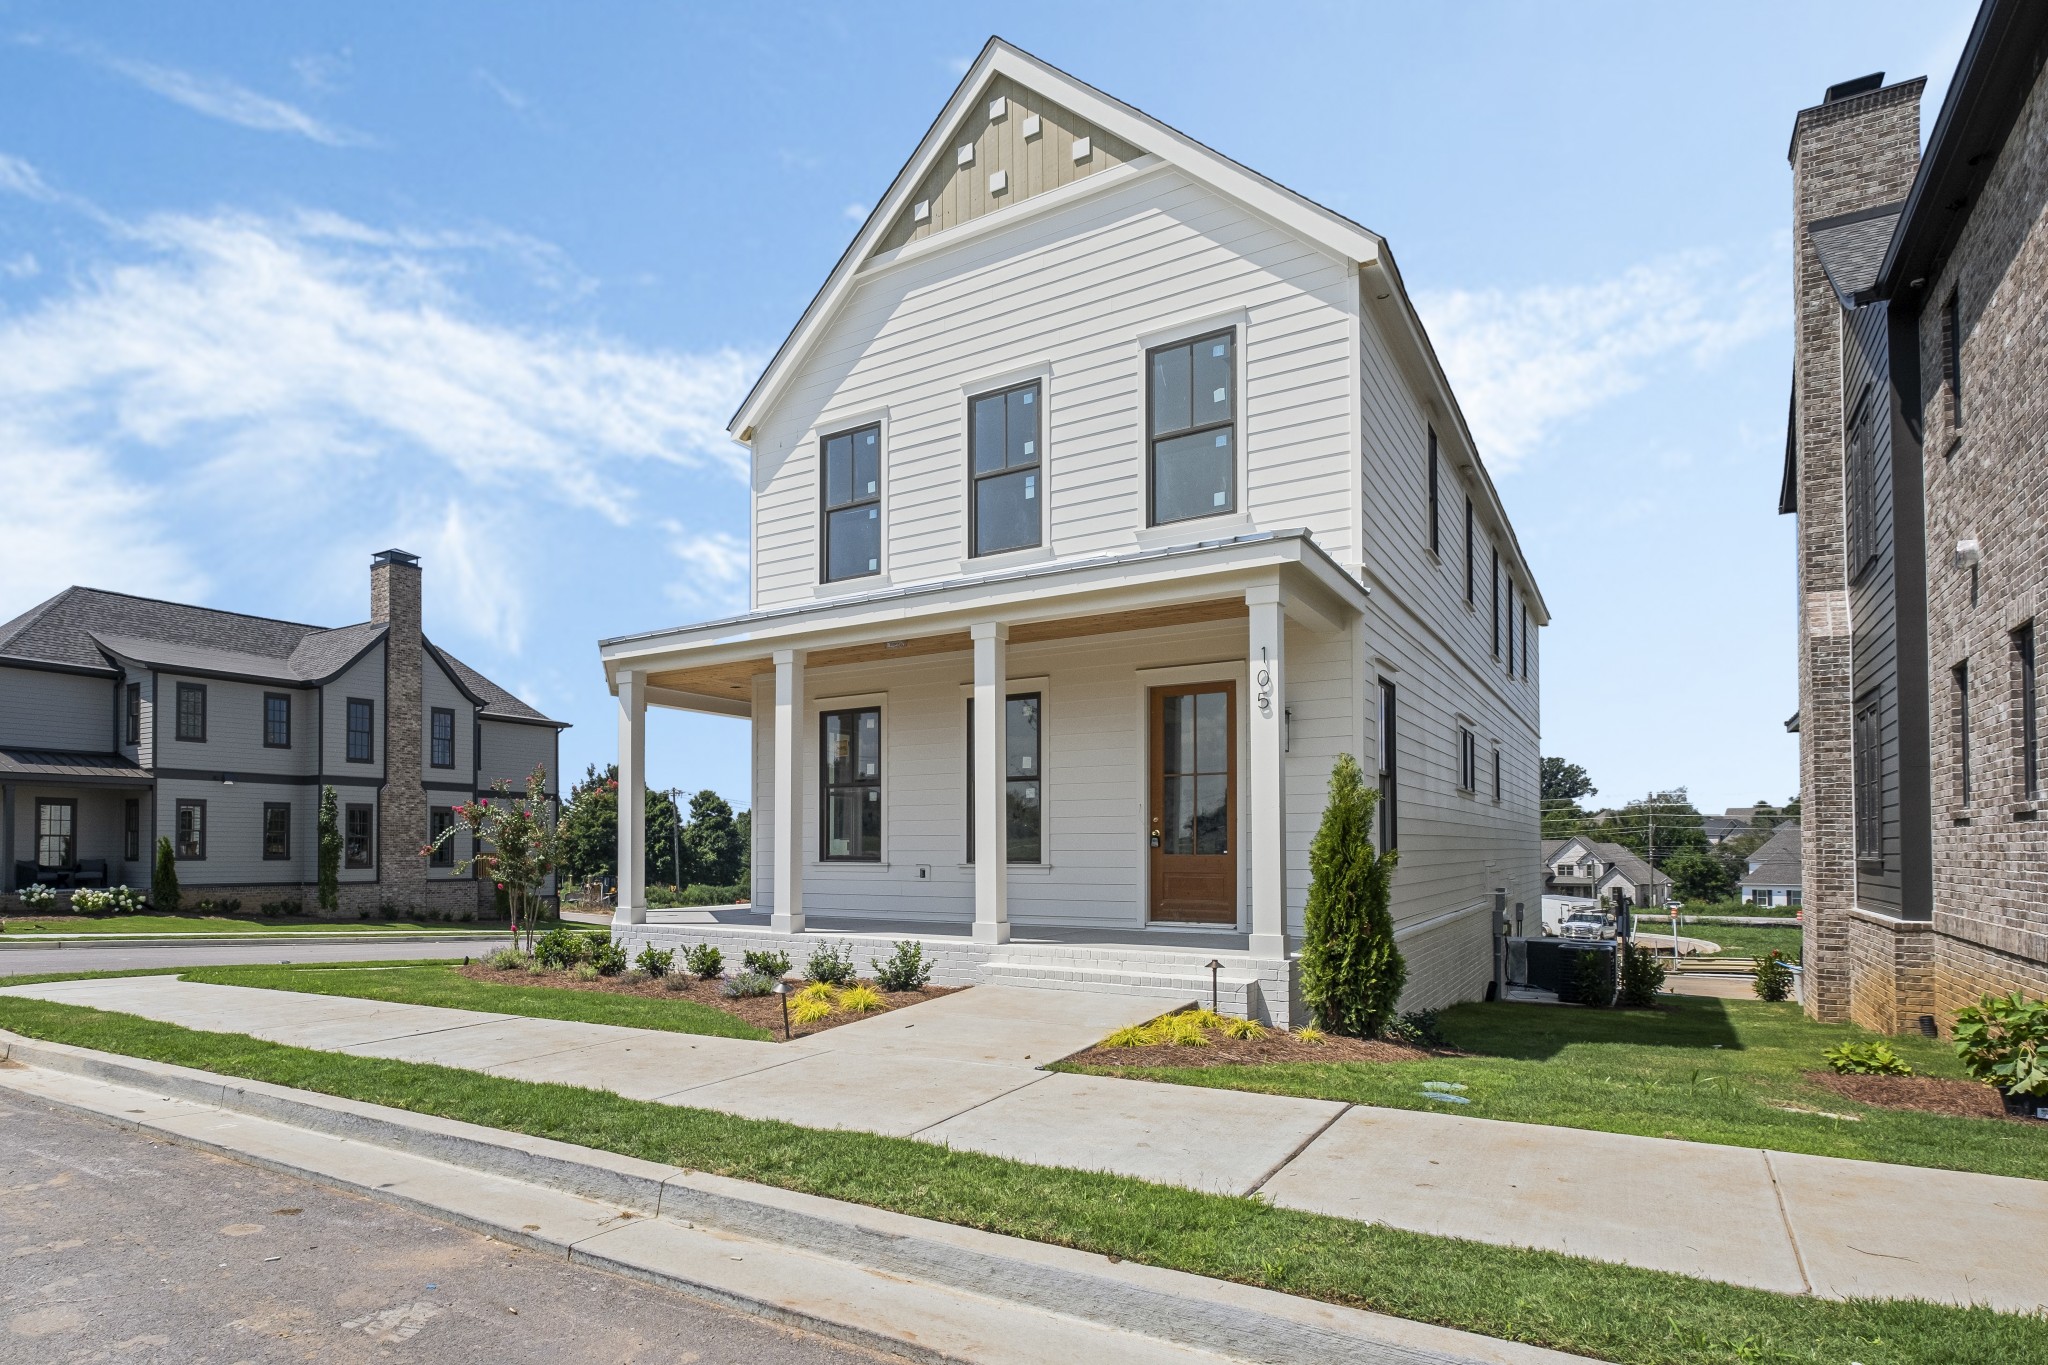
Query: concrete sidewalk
{"type": "Point", "coordinates": [963, 1071]}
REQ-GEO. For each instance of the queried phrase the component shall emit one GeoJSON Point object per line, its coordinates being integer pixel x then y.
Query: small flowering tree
{"type": "Point", "coordinates": [514, 841]}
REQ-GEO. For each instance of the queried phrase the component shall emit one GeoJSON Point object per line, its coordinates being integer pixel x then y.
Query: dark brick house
{"type": "Point", "coordinates": [1917, 462]}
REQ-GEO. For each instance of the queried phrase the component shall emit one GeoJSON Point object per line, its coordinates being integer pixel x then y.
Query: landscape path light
{"type": "Point", "coordinates": [782, 994]}
{"type": "Point", "coordinates": [1214, 967]}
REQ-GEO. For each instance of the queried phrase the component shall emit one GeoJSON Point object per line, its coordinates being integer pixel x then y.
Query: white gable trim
{"type": "Point", "coordinates": [1311, 221]}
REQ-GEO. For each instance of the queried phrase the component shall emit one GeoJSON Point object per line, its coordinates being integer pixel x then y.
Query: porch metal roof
{"type": "Point", "coordinates": [57, 765]}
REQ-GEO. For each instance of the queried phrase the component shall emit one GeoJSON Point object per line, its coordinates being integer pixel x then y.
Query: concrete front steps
{"type": "Point", "coordinates": [1237, 992]}
{"type": "Point", "coordinates": [908, 1287]}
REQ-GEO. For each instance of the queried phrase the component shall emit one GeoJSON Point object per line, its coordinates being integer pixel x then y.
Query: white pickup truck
{"type": "Point", "coordinates": [1586, 924]}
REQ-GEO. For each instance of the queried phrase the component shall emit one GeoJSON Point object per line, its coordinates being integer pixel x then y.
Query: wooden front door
{"type": "Point", "coordinates": [1193, 825]}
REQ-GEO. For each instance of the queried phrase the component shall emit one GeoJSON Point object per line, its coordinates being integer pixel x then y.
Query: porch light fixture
{"type": "Point", "coordinates": [227, 780]}
{"type": "Point", "coordinates": [1214, 967]}
{"type": "Point", "coordinates": [782, 994]}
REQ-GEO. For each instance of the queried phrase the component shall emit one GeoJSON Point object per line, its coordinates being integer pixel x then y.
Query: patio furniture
{"type": "Point", "coordinates": [90, 872]}
{"type": "Point", "coordinates": [24, 873]}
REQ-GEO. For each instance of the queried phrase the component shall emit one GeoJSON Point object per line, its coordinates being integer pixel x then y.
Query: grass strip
{"type": "Point", "coordinates": [202, 925]}
{"type": "Point", "coordinates": [439, 983]}
{"type": "Point", "coordinates": [1719, 1071]}
{"type": "Point", "coordinates": [1613, 1312]}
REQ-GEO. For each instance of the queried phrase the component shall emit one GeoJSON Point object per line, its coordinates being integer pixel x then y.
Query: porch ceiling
{"type": "Point", "coordinates": [734, 679]}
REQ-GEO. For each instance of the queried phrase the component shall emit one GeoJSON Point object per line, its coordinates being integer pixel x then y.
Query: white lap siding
{"type": "Point", "coordinates": [44, 709]}
{"type": "Point", "coordinates": [1070, 297]}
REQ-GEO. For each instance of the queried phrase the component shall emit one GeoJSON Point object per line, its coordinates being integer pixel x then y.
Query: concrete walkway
{"type": "Point", "coordinates": [963, 1070]}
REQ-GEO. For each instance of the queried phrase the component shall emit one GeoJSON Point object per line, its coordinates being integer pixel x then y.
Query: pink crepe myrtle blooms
{"type": "Point", "coordinates": [516, 843]}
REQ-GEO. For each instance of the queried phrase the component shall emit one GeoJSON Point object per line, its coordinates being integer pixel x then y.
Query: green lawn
{"type": "Point", "coordinates": [1739, 940]}
{"type": "Point", "coordinates": [439, 983]}
{"type": "Point", "coordinates": [221, 924]}
{"type": "Point", "coordinates": [1607, 1311]}
{"type": "Point", "coordinates": [1707, 1070]}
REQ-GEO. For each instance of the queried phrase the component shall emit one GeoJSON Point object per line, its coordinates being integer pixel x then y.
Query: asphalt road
{"type": "Point", "coordinates": [19, 961]}
{"type": "Point", "coordinates": [124, 1248]}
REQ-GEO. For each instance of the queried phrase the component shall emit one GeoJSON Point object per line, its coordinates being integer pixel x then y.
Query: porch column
{"type": "Point", "coordinates": [1266, 785]}
{"type": "Point", "coordinates": [991, 805]}
{"type": "Point", "coordinates": [632, 896]}
{"type": "Point", "coordinates": [788, 905]}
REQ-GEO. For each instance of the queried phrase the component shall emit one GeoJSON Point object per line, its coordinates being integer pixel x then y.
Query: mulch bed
{"type": "Point", "coordinates": [1927, 1094]}
{"type": "Point", "coordinates": [1274, 1047]}
{"type": "Point", "coordinates": [762, 1011]}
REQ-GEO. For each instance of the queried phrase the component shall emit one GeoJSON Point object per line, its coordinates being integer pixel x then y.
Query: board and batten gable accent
{"type": "Point", "coordinates": [1075, 295]}
{"type": "Point", "coordinates": [1032, 143]}
{"type": "Point", "coordinates": [47, 709]}
{"type": "Point", "coordinates": [511, 751]}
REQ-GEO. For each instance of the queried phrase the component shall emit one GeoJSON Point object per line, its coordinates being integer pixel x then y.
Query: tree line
{"type": "Point", "coordinates": [711, 846]}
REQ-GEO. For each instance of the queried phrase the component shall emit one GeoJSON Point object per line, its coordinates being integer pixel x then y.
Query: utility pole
{"type": "Point", "coordinates": [675, 824]}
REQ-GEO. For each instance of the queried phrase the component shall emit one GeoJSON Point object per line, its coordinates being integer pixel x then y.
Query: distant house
{"type": "Point", "coordinates": [128, 719]}
{"type": "Point", "coordinates": [1719, 827]}
{"type": "Point", "coordinates": [1773, 876]}
{"type": "Point", "coordinates": [1607, 873]}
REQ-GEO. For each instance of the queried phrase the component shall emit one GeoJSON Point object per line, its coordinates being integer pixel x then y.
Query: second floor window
{"type": "Point", "coordinates": [1861, 458]}
{"type": "Point", "coordinates": [1496, 604]}
{"type": "Point", "coordinates": [1003, 438]}
{"type": "Point", "coordinates": [277, 720]}
{"type": "Point", "coordinates": [362, 715]}
{"type": "Point", "coordinates": [852, 493]}
{"type": "Point", "coordinates": [850, 747]}
{"type": "Point", "coordinates": [1436, 525]}
{"type": "Point", "coordinates": [1470, 555]}
{"type": "Point", "coordinates": [1952, 359]}
{"type": "Point", "coordinates": [442, 747]}
{"type": "Point", "coordinates": [1191, 426]}
{"type": "Point", "coordinates": [132, 729]}
{"type": "Point", "coordinates": [192, 712]}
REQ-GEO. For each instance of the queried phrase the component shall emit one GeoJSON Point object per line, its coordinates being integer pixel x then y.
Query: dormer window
{"type": "Point", "coordinates": [1192, 428]}
{"type": "Point", "coordinates": [1005, 464]}
{"type": "Point", "coordinates": [851, 469]}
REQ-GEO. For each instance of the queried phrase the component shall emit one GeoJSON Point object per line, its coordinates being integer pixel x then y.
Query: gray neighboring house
{"type": "Point", "coordinates": [1775, 869]}
{"type": "Point", "coordinates": [123, 719]}
{"type": "Point", "coordinates": [1600, 871]}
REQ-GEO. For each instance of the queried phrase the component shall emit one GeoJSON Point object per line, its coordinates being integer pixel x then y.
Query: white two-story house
{"type": "Point", "coordinates": [129, 720]}
{"type": "Point", "coordinates": [1105, 494]}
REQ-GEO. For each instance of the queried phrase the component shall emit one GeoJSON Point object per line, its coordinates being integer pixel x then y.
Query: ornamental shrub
{"type": "Point", "coordinates": [1351, 972]}
{"type": "Point", "coordinates": [766, 962]}
{"type": "Point", "coordinates": [329, 842]}
{"type": "Point", "coordinates": [1773, 978]}
{"type": "Point", "coordinates": [1589, 979]}
{"type": "Point", "coordinates": [560, 948]}
{"type": "Point", "coordinates": [1866, 1059]}
{"type": "Point", "coordinates": [832, 966]}
{"type": "Point", "coordinates": [906, 969]}
{"type": "Point", "coordinates": [609, 958]}
{"type": "Point", "coordinates": [1642, 976]}
{"type": "Point", "coordinates": [37, 896]}
{"type": "Point", "coordinates": [704, 961]}
{"type": "Point", "coordinates": [656, 962]}
{"type": "Point", "coordinates": [748, 984]}
{"type": "Point", "coordinates": [163, 885]}
{"type": "Point", "coordinates": [2001, 1040]}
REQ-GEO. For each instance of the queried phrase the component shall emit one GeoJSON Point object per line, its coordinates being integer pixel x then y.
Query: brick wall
{"type": "Point", "coordinates": [1987, 481]}
{"type": "Point", "coordinates": [402, 817]}
{"type": "Point", "coordinates": [1891, 971]}
{"type": "Point", "coordinates": [1854, 154]}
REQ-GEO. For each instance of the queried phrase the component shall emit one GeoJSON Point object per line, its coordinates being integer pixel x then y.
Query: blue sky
{"type": "Point", "coordinates": [283, 285]}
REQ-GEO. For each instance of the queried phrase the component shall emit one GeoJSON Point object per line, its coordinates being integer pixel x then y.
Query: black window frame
{"type": "Point", "coordinates": [1154, 437]}
{"type": "Point", "coordinates": [198, 691]}
{"type": "Point", "coordinates": [277, 853]}
{"type": "Point", "coordinates": [1513, 599]}
{"type": "Point", "coordinates": [69, 805]}
{"type": "Point", "coordinates": [1867, 778]}
{"type": "Point", "coordinates": [1471, 562]}
{"type": "Point", "coordinates": [1389, 736]}
{"type": "Point", "coordinates": [1961, 674]}
{"type": "Point", "coordinates": [1468, 761]}
{"type": "Point", "coordinates": [1436, 479]}
{"type": "Point", "coordinates": [1496, 604]}
{"type": "Point", "coordinates": [349, 811]}
{"type": "Point", "coordinates": [131, 830]}
{"type": "Point", "coordinates": [1032, 467]}
{"type": "Point", "coordinates": [178, 844]}
{"type": "Point", "coordinates": [435, 739]}
{"type": "Point", "coordinates": [368, 731]}
{"type": "Point", "coordinates": [1859, 453]}
{"type": "Point", "coordinates": [1038, 768]}
{"type": "Point", "coordinates": [2028, 712]}
{"type": "Point", "coordinates": [1522, 606]}
{"type": "Point", "coordinates": [270, 740]}
{"type": "Point", "coordinates": [826, 507]}
{"type": "Point", "coordinates": [1952, 356]}
{"type": "Point", "coordinates": [827, 787]}
{"type": "Point", "coordinates": [131, 712]}
{"type": "Point", "coordinates": [439, 819]}
{"type": "Point", "coordinates": [1496, 775]}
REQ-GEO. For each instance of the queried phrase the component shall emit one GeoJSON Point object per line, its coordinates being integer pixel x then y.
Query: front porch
{"type": "Point", "coordinates": [1158, 778]}
{"type": "Point", "coordinates": [71, 819]}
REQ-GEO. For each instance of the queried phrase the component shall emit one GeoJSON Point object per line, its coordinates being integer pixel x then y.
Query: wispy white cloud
{"type": "Point", "coordinates": [1526, 362]}
{"type": "Point", "coordinates": [19, 177]}
{"type": "Point", "coordinates": [854, 213]}
{"type": "Point", "coordinates": [715, 567]}
{"type": "Point", "coordinates": [24, 266]}
{"type": "Point", "coordinates": [512, 99]}
{"type": "Point", "coordinates": [215, 96]}
{"type": "Point", "coordinates": [323, 73]}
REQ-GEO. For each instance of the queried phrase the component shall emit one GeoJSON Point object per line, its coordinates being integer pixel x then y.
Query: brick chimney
{"type": "Point", "coordinates": [402, 820]}
{"type": "Point", "coordinates": [1857, 149]}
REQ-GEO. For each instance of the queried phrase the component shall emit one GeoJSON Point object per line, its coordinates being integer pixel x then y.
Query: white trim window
{"type": "Point", "coordinates": [850, 504]}
{"type": "Point", "coordinates": [1005, 437]}
{"type": "Point", "coordinates": [1191, 428]}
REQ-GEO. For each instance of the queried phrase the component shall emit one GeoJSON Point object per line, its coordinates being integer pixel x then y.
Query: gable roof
{"type": "Point", "coordinates": [1851, 247]}
{"type": "Point", "coordinates": [84, 630]}
{"type": "Point", "coordinates": [1778, 861]}
{"type": "Point", "coordinates": [1322, 227]}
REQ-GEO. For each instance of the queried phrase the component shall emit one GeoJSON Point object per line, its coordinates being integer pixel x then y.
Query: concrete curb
{"type": "Point", "coordinates": [27, 941]}
{"type": "Point", "coordinates": [1229, 1319]}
